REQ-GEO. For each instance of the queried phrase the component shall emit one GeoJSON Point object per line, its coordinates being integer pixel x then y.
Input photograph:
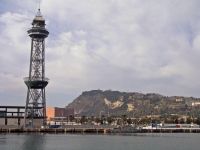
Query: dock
{"type": "Point", "coordinates": [173, 130]}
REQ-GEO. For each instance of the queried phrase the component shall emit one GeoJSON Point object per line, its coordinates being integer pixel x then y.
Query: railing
{"type": "Point", "coordinates": [36, 79]}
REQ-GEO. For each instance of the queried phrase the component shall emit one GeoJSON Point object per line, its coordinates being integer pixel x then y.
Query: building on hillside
{"type": "Point", "coordinates": [192, 103]}
{"type": "Point", "coordinates": [179, 100]}
{"type": "Point", "coordinates": [59, 116]}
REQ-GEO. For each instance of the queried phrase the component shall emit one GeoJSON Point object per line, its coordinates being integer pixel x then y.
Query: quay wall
{"type": "Point", "coordinates": [91, 129]}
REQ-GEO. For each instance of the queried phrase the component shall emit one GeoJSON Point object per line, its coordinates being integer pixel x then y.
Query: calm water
{"type": "Point", "coordinates": [142, 141]}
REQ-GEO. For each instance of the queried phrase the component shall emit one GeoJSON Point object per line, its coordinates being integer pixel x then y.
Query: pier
{"type": "Point", "coordinates": [173, 130]}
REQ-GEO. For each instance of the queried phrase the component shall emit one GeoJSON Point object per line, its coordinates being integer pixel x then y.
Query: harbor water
{"type": "Point", "coordinates": [136, 141]}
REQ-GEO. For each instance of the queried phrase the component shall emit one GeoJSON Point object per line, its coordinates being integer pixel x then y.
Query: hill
{"type": "Point", "coordinates": [107, 103]}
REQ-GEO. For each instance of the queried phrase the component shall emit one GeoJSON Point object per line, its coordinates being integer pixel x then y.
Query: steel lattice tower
{"type": "Point", "coordinates": [35, 109]}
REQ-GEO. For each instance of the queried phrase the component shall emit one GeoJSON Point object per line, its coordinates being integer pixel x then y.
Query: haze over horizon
{"type": "Point", "coordinates": [131, 46]}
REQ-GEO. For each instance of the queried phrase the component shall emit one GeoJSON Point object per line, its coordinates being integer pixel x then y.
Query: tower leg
{"type": "Point", "coordinates": [35, 107]}
{"type": "Point", "coordinates": [26, 108]}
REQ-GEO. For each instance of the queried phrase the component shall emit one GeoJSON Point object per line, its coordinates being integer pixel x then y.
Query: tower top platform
{"type": "Point", "coordinates": [38, 27]}
{"type": "Point", "coordinates": [38, 17]}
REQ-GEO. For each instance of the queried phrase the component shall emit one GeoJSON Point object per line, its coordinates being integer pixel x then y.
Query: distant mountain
{"type": "Point", "coordinates": [98, 102]}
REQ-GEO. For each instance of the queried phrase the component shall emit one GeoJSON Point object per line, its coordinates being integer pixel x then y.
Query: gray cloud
{"type": "Point", "coordinates": [138, 46]}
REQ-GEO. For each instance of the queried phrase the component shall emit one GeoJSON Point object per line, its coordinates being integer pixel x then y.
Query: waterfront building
{"type": "Point", "coordinates": [11, 115]}
{"type": "Point", "coordinates": [14, 115]}
{"type": "Point", "coordinates": [59, 116]}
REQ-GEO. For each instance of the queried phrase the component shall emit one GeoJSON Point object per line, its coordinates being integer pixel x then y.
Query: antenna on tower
{"type": "Point", "coordinates": [39, 13]}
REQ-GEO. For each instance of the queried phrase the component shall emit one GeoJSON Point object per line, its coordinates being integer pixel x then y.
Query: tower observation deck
{"type": "Point", "coordinates": [35, 109]}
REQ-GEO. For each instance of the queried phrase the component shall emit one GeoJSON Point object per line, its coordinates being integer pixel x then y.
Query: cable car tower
{"type": "Point", "coordinates": [35, 109]}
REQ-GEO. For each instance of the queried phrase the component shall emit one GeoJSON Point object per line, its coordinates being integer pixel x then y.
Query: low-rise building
{"type": "Point", "coordinates": [57, 115]}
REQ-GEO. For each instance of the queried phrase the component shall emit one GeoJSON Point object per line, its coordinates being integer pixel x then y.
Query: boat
{"type": "Point", "coordinates": [122, 129]}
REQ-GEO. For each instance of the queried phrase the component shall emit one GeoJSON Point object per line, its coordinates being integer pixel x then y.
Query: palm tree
{"type": "Point", "coordinates": [182, 121]}
{"type": "Point", "coordinates": [129, 121]}
{"type": "Point", "coordinates": [198, 121]}
{"type": "Point", "coordinates": [123, 119]}
{"type": "Point", "coordinates": [83, 119]}
{"type": "Point", "coordinates": [189, 120]}
{"type": "Point", "coordinates": [71, 118]}
{"type": "Point", "coordinates": [110, 120]}
{"type": "Point", "coordinates": [97, 120]}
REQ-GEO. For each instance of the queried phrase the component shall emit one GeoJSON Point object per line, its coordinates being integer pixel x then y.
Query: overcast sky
{"type": "Point", "coordinates": [148, 46]}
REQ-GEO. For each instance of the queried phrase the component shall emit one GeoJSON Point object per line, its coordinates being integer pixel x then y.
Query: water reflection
{"type": "Point", "coordinates": [39, 141]}
{"type": "Point", "coordinates": [33, 142]}
{"type": "Point", "coordinates": [2, 140]}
